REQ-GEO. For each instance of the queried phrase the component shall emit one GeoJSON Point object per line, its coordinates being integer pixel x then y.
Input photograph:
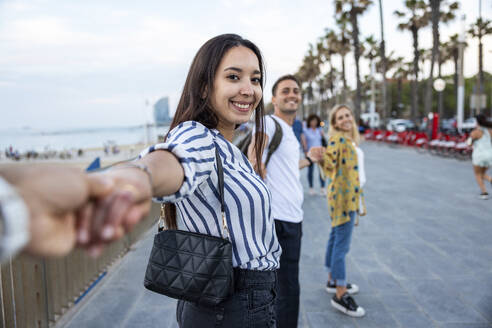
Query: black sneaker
{"type": "Point", "coordinates": [484, 195]}
{"type": "Point", "coordinates": [347, 305]}
{"type": "Point", "coordinates": [332, 288]}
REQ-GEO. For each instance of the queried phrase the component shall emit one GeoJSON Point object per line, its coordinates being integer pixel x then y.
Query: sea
{"type": "Point", "coordinates": [40, 140]}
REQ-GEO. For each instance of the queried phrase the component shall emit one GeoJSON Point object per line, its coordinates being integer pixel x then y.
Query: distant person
{"type": "Point", "coordinates": [363, 126]}
{"type": "Point", "coordinates": [39, 207]}
{"type": "Point", "coordinates": [482, 152]}
{"type": "Point", "coordinates": [283, 181]}
{"type": "Point", "coordinates": [314, 138]}
{"type": "Point", "coordinates": [298, 128]}
{"type": "Point", "coordinates": [223, 89]}
{"type": "Point", "coordinates": [343, 164]}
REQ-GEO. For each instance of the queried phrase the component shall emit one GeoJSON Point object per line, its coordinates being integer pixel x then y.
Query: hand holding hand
{"type": "Point", "coordinates": [108, 218]}
{"type": "Point", "coordinates": [316, 154]}
{"type": "Point", "coordinates": [53, 195]}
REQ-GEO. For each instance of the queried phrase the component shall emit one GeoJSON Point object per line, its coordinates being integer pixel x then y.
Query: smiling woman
{"type": "Point", "coordinates": [237, 89]}
{"type": "Point", "coordinates": [223, 89]}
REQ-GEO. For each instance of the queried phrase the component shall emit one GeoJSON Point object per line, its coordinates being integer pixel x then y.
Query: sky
{"type": "Point", "coordinates": [97, 63]}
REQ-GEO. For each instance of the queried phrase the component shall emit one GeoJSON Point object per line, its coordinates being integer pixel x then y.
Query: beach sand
{"type": "Point", "coordinates": [89, 155]}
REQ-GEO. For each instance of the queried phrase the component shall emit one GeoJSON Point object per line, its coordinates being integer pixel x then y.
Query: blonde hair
{"type": "Point", "coordinates": [354, 134]}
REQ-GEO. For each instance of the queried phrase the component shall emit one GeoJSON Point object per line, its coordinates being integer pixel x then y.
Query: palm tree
{"type": "Point", "coordinates": [401, 72]}
{"type": "Point", "coordinates": [384, 64]}
{"type": "Point", "coordinates": [453, 48]}
{"type": "Point", "coordinates": [326, 49]}
{"type": "Point", "coordinates": [441, 11]}
{"type": "Point", "coordinates": [370, 50]}
{"type": "Point", "coordinates": [479, 29]}
{"type": "Point", "coordinates": [350, 10]}
{"type": "Point", "coordinates": [308, 71]}
{"type": "Point", "coordinates": [340, 44]}
{"type": "Point", "coordinates": [414, 18]}
{"type": "Point", "coordinates": [390, 62]}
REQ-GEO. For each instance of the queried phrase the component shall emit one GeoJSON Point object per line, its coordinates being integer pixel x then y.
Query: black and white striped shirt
{"type": "Point", "coordinates": [246, 197]}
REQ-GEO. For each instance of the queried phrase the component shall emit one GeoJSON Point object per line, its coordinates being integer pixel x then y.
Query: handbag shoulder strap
{"type": "Point", "coordinates": [220, 173]}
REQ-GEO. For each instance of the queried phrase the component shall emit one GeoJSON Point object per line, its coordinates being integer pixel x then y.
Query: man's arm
{"type": "Point", "coordinates": [51, 196]}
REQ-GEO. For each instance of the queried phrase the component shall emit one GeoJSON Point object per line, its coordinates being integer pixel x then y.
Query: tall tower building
{"type": "Point", "coordinates": [161, 111]}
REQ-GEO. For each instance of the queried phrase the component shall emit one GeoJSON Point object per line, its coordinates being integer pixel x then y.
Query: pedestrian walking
{"type": "Point", "coordinates": [482, 152]}
{"type": "Point", "coordinates": [314, 138]}
{"type": "Point", "coordinates": [342, 162]}
{"type": "Point", "coordinates": [283, 180]}
{"type": "Point", "coordinates": [298, 128]}
{"type": "Point", "coordinates": [224, 87]}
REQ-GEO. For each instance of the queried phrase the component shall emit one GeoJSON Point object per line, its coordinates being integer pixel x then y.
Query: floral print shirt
{"type": "Point", "coordinates": [341, 168]}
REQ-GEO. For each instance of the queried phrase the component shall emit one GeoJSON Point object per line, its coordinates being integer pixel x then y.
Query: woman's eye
{"type": "Point", "coordinates": [233, 77]}
{"type": "Point", "coordinates": [256, 80]}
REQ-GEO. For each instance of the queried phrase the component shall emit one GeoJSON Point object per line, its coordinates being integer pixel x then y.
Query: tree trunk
{"type": "Point", "coordinates": [384, 105]}
{"type": "Point", "coordinates": [480, 62]}
{"type": "Point", "coordinates": [331, 79]}
{"type": "Point", "coordinates": [435, 48]}
{"type": "Point", "coordinates": [415, 36]}
{"type": "Point", "coordinates": [398, 97]}
{"type": "Point", "coordinates": [344, 79]}
{"type": "Point", "coordinates": [440, 105]}
{"type": "Point", "coordinates": [355, 37]}
{"type": "Point", "coordinates": [455, 77]}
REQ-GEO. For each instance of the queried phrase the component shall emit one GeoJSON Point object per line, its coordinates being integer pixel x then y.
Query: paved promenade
{"type": "Point", "coordinates": [422, 256]}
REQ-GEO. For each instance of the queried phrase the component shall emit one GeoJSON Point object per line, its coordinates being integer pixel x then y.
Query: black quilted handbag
{"type": "Point", "coordinates": [192, 266]}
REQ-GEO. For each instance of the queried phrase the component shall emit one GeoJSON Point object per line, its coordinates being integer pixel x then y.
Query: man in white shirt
{"type": "Point", "coordinates": [283, 179]}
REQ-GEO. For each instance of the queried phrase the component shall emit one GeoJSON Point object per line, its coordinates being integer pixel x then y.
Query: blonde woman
{"type": "Point", "coordinates": [342, 162]}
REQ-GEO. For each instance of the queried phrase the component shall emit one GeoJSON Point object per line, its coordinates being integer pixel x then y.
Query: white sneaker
{"type": "Point", "coordinates": [322, 192]}
{"type": "Point", "coordinates": [311, 191]}
{"type": "Point", "coordinates": [346, 304]}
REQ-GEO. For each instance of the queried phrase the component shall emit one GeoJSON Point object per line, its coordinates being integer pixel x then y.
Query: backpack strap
{"type": "Point", "coordinates": [275, 142]}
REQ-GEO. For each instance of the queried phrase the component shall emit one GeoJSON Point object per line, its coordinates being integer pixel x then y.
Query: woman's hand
{"type": "Point", "coordinates": [316, 154]}
{"type": "Point", "coordinates": [108, 218]}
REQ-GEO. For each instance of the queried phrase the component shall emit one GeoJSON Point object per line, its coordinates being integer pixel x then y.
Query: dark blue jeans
{"type": "Point", "coordinates": [251, 305]}
{"type": "Point", "coordinates": [287, 305]}
{"type": "Point", "coordinates": [310, 177]}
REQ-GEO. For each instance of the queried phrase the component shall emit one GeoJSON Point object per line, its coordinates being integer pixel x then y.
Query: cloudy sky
{"type": "Point", "coordinates": [96, 63]}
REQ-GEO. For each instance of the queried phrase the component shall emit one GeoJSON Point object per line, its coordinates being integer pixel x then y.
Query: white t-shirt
{"type": "Point", "coordinates": [360, 163]}
{"type": "Point", "coordinates": [283, 174]}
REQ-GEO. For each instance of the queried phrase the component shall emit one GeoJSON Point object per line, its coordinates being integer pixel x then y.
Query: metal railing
{"type": "Point", "coordinates": [37, 292]}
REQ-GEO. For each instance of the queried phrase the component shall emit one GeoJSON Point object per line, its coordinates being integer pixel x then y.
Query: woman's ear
{"type": "Point", "coordinates": [204, 93]}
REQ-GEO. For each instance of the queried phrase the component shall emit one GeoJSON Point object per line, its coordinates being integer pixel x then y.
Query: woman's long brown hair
{"type": "Point", "coordinates": [195, 101]}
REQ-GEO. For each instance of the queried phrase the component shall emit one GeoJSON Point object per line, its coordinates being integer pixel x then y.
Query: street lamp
{"type": "Point", "coordinates": [439, 86]}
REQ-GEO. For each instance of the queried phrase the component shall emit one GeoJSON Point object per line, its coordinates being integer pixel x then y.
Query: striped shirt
{"type": "Point", "coordinates": [247, 199]}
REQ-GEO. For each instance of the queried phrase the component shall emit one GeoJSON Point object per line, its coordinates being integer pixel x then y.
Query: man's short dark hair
{"type": "Point", "coordinates": [283, 78]}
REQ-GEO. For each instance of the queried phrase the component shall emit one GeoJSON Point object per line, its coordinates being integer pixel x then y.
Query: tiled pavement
{"type": "Point", "coordinates": [422, 256]}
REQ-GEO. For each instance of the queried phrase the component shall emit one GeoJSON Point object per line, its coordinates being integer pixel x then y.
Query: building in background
{"type": "Point", "coordinates": [161, 112]}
